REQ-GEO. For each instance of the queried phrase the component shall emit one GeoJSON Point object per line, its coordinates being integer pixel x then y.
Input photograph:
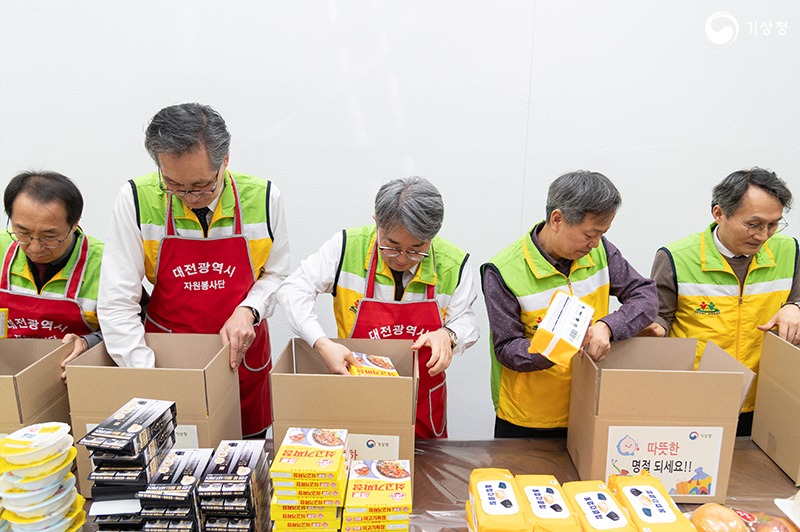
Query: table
{"type": "Point", "coordinates": [442, 468]}
{"type": "Point", "coordinates": [441, 476]}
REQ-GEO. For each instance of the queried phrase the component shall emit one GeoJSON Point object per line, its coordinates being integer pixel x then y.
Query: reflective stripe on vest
{"type": "Point", "coordinates": [712, 306]}
{"type": "Point", "coordinates": [540, 399]}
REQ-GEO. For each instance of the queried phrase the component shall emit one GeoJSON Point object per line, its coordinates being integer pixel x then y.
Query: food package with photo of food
{"type": "Point", "coordinates": [373, 365]}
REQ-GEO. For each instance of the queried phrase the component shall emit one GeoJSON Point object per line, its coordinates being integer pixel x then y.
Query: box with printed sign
{"type": "Point", "coordinates": [379, 412]}
{"type": "Point", "coordinates": [645, 407]}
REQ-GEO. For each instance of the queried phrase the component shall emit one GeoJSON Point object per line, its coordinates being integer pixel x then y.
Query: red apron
{"type": "Point", "coordinates": [199, 283]}
{"type": "Point", "coordinates": [35, 316]}
{"type": "Point", "coordinates": [401, 320]}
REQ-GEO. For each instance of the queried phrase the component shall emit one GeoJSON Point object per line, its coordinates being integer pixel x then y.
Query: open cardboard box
{"type": "Point", "coordinates": [378, 412]}
{"type": "Point", "coordinates": [776, 421]}
{"type": "Point", "coordinates": [644, 407]}
{"type": "Point", "coordinates": [191, 369]}
{"type": "Point", "coordinates": [31, 389]}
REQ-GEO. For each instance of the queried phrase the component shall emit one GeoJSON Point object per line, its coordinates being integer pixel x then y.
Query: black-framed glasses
{"type": "Point", "coordinates": [198, 193]}
{"type": "Point", "coordinates": [771, 228]}
{"type": "Point", "coordinates": [416, 256]}
{"type": "Point", "coordinates": [48, 242]}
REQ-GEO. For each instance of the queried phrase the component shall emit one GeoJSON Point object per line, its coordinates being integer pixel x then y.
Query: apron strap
{"type": "Point", "coordinates": [76, 275]}
{"type": "Point", "coordinates": [5, 281]}
{"type": "Point", "coordinates": [169, 221]}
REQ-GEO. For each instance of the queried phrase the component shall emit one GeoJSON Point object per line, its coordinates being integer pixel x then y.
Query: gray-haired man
{"type": "Point", "coordinates": [213, 243]}
{"type": "Point", "coordinates": [394, 279]}
{"type": "Point", "coordinates": [566, 252]}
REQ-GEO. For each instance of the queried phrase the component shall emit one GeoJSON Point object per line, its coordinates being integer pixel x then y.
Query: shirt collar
{"type": "Point", "coordinates": [721, 247]}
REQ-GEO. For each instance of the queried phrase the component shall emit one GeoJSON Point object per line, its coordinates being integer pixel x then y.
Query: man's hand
{"type": "Point", "coordinates": [335, 356]}
{"type": "Point", "coordinates": [239, 332]}
{"type": "Point", "coordinates": [441, 352]}
{"type": "Point", "coordinates": [80, 346]}
{"type": "Point", "coordinates": [599, 342]}
{"type": "Point", "coordinates": [654, 329]}
{"type": "Point", "coordinates": [787, 320]}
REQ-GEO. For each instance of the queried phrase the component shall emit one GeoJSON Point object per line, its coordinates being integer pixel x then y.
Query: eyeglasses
{"type": "Point", "coordinates": [199, 193]}
{"type": "Point", "coordinates": [416, 256]}
{"type": "Point", "coordinates": [772, 228]}
{"type": "Point", "coordinates": [48, 242]}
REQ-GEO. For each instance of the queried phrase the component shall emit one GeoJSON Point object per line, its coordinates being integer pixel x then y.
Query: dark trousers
{"type": "Point", "coordinates": [745, 425]}
{"type": "Point", "coordinates": [504, 429]}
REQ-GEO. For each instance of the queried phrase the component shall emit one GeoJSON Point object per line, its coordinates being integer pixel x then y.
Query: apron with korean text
{"type": "Point", "coordinates": [408, 320]}
{"type": "Point", "coordinates": [36, 316]}
{"type": "Point", "coordinates": [199, 283]}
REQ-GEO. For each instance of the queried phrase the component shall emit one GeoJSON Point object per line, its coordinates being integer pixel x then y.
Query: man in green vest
{"type": "Point", "coordinates": [565, 252]}
{"type": "Point", "coordinates": [51, 268]}
{"type": "Point", "coordinates": [394, 279]}
{"type": "Point", "coordinates": [737, 278]}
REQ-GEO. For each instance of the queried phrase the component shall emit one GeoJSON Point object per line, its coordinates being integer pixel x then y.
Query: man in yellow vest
{"type": "Point", "coordinates": [737, 278]}
{"type": "Point", "coordinates": [566, 252]}
{"type": "Point", "coordinates": [396, 279]}
{"type": "Point", "coordinates": [211, 241]}
{"type": "Point", "coordinates": [51, 268]}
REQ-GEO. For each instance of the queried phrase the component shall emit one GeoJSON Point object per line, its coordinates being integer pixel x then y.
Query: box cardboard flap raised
{"type": "Point", "coordinates": [649, 382]}
{"type": "Point", "coordinates": [181, 372]}
{"type": "Point", "coordinates": [776, 422]}
{"type": "Point", "coordinates": [362, 403]}
{"type": "Point", "coordinates": [716, 359]}
{"type": "Point", "coordinates": [656, 368]}
{"type": "Point", "coordinates": [30, 376]}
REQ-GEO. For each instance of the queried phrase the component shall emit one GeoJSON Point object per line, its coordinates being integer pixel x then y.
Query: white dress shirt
{"type": "Point", "coordinates": [123, 270]}
{"type": "Point", "coordinates": [316, 275]}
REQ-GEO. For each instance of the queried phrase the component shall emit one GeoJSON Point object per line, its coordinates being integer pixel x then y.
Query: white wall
{"type": "Point", "coordinates": [489, 100]}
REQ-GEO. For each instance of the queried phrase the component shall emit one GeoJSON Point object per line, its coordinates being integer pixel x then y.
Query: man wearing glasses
{"type": "Point", "coordinates": [51, 268]}
{"type": "Point", "coordinates": [395, 279]}
{"type": "Point", "coordinates": [737, 278]}
{"type": "Point", "coordinates": [211, 241]}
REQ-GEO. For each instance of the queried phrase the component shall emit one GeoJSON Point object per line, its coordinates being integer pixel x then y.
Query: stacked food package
{"type": "Point", "coordinates": [309, 478]}
{"type": "Point", "coordinates": [500, 502]}
{"type": "Point", "coordinates": [379, 496]}
{"type": "Point", "coordinates": [549, 509]}
{"type": "Point", "coordinates": [648, 503]}
{"type": "Point", "coordinates": [170, 500]}
{"type": "Point", "coordinates": [234, 492]}
{"type": "Point", "coordinates": [127, 449]}
{"type": "Point", "coordinates": [495, 503]}
{"type": "Point", "coordinates": [373, 365]}
{"type": "Point", "coordinates": [37, 489]}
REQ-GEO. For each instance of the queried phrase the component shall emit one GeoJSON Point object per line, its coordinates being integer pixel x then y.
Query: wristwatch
{"type": "Point", "coordinates": [796, 303]}
{"type": "Point", "coordinates": [256, 316]}
{"type": "Point", "coordinates": [453, 337]}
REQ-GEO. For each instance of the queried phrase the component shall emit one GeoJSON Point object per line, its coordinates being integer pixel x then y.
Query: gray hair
{"type": "Point", "coordinates": [579, 193]}
{"type": "Point", "coordinates": [730, 192]}
{"type": "Point", "coordinates": [183, 128]}
{"type": "Point", "coordinates": [413, 204]}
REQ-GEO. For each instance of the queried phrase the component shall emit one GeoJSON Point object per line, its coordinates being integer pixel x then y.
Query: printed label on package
{"type": "Point", "coordinates": [684, 459]}
{"type": "Point", "coordinates": [374, 447]}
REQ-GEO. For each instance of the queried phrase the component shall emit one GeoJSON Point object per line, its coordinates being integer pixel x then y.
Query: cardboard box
{"type": "Point", "coordinates": [776, 421]}
{"type": "Point", "coordinates": [191, 369]}
{"type": "Point", "coordinates": [31, 389]}
{"type": "Point", "coordinates": [644, 407]}
{"type": "Point", "coordinates": [378, 412]}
